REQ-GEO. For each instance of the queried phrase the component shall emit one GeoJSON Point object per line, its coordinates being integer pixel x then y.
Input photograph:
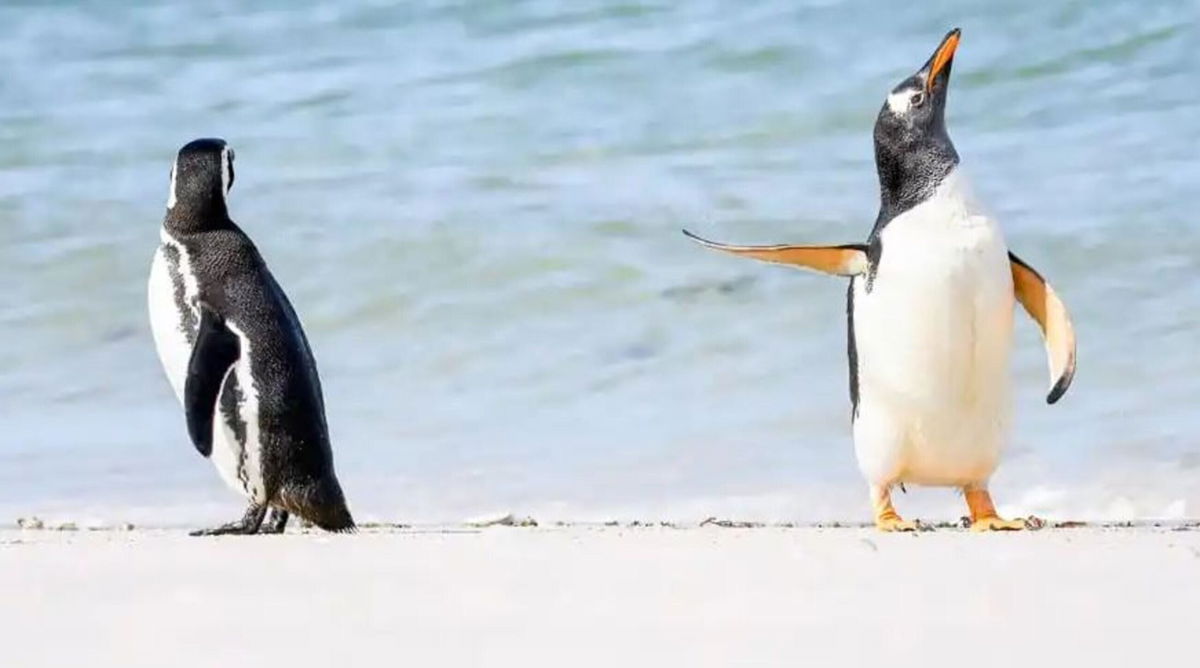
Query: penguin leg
{"type": "Point", "coordinates": [248, 525]}
{"type": "Point", "coordinates": [983, 512]}
{"type": "Point", "coordinates": [276, 521]}
{"type": "Point", "coordinates": [886, 517]}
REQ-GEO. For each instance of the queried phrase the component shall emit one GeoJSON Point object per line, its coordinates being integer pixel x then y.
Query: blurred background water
{"type": "Point", "coordinates": [475, 208]}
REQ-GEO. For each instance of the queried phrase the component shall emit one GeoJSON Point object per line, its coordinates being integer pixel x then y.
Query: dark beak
{"type": "Point", "coordinates": [938, 67]}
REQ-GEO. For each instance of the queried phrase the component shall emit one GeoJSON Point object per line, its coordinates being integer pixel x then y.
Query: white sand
{"type": "Point", "coordinates": [602, 597]}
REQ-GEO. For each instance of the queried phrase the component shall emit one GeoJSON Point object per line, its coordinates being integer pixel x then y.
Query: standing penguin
{"type": "Point", "coordinates": [236, 356]}
{"type": "Point", "coordinates": [930, 307]}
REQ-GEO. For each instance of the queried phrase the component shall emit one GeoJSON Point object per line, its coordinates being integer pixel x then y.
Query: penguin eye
{"type": "Point", "coordinates": [917, 99]}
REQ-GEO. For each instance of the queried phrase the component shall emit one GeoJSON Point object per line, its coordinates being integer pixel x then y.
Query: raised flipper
{"type": "Point", "coordinates": [845, 260]}
{"type": "Point", "coordinates": [216, 349]}
{"type": "Point", "coordinates": [1044, 306]}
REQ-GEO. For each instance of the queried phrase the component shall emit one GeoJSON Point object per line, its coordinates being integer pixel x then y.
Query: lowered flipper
{"type": "Point", "coordinates": [846, 260]}
{"type": "Point", "coordinates": [1039, 300]}
{"type": "Point", "coordinates": [216, 349]}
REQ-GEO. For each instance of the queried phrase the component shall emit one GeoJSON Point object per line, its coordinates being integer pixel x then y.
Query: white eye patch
{"type": "Point", "coordinates": [171, 194]}
{"type": "Point", "coordinates": [900, 102]}
{"type": "Point", "coordinates": [225, 158]}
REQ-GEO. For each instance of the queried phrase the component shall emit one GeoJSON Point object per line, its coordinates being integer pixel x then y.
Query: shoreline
{"type": "Point", "coordinates": [33, 523]}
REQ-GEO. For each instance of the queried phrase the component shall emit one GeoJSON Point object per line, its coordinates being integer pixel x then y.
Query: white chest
{"type": "Point", "coordinates": [933, 336]}
{"type": "Point", "coordinates": [941, 297]}
{"type": "Point", "coordinates": [172, 295]}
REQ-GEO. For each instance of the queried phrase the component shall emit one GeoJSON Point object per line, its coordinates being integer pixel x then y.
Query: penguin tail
{"type": "Point", "coordinates": [335, 519]}
{"type": "Point", "coordinates": [321, 503]}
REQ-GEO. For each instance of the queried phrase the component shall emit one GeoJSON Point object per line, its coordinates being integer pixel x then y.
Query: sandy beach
{"type": "Point", "coordinates": [600, 596]}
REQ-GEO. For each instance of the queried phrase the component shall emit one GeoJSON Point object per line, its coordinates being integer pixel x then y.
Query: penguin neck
{"type": "Point", "coordinates": [197, 214]}
{"type": "Point", "coordinates": [908, 175]}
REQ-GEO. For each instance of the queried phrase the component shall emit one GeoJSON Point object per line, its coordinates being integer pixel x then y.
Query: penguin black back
{"type": "Point", "coordinates": [252, 394]}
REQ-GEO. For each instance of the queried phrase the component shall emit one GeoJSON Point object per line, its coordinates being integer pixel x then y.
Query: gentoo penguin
{"type": "Point", "coordinates": [930, 311]}
{"type": "Point", "coordinates": [236, 356]}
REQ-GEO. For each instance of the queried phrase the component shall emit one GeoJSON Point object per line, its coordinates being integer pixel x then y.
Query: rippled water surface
{"type": "Point", "coordinates": [475, 208]}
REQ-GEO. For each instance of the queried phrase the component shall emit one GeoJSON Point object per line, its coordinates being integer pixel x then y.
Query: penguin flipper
{"type": "Point", "coordinates": [844, 260]}
{"type": "Point", "coordinates": [1044, 306]}
{"type": "Point", "coordinates": [216, 349]}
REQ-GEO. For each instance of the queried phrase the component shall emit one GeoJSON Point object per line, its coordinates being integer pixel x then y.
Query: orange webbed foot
{"type": "Point", "coordinates": [984, 518]}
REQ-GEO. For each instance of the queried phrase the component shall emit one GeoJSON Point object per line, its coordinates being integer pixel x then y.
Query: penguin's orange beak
{"type": "Point", "coordinates": [942, 57]}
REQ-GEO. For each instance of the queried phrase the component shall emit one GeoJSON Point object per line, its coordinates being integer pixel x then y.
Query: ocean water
{"type": "Point", "coordinates": [475, 207]}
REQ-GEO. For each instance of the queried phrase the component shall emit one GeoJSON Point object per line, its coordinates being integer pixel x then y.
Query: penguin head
{"type": "Point", "coordinates": [200, 180]}
{"type": "Point", "coordinates": [910, 132]}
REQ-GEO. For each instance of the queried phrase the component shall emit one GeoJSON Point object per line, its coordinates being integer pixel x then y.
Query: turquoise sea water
{"type": "Point", "coordinates": [475, 208]}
